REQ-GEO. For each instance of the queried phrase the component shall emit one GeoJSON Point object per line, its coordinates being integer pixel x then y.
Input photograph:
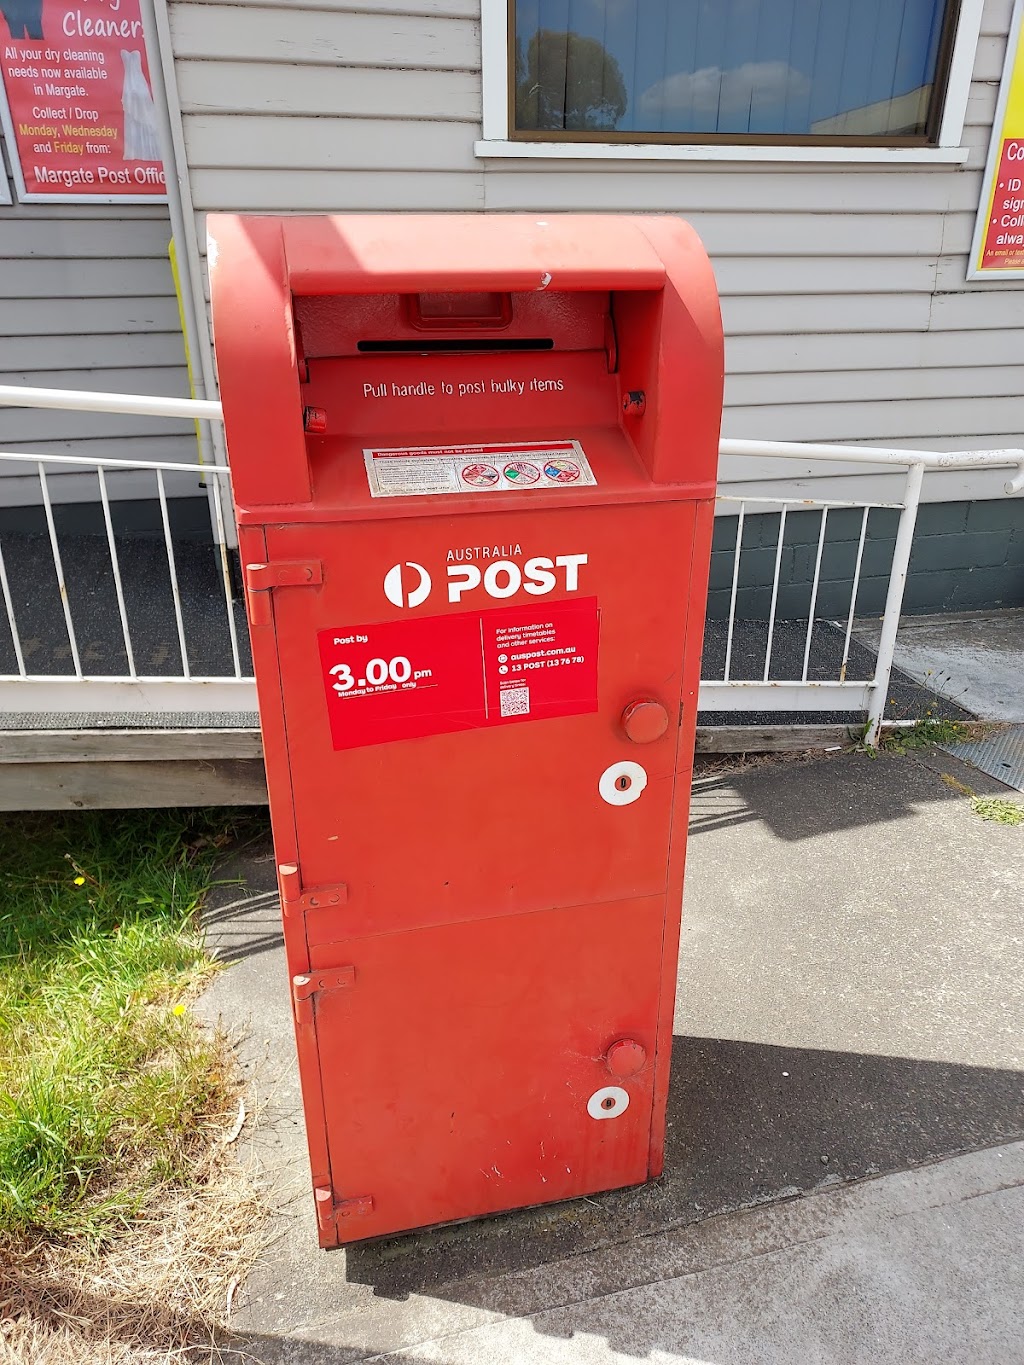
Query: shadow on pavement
{"type": "Point", "coordinates": [837, 792]}
{"type": "Point", "coordinates": [747, 1123]}
{"type": "Point", "coordinates": [246, 927]}
{"type": "Point", "coordinates": [848, 1004]}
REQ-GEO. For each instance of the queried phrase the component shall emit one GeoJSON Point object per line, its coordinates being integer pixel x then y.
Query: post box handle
{"type": "Point", "coordinates": [434, 311]}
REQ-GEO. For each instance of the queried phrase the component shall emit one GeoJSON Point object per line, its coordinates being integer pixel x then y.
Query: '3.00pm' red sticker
{"type": "Point", "coordinates": [435, 675]}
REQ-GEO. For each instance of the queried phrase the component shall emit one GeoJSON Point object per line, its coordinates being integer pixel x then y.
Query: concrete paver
{"type": "Point", "coordinates": [920, 1266]}
{"type": "Point", "coordinates": [850, 1004]}
{"type": "Point", "coordinates": [973, 658]}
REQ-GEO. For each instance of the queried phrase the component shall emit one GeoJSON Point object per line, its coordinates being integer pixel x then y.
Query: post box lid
{"type": "Point", "coordinates": [378, 253]}
{"type": "Point", "coordinates": [665, 326]}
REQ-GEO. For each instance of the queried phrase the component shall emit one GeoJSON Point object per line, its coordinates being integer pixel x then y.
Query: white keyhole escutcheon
{"type": "Point", "coordinates": [622, 783]}
{"type": "Point", "coordinates": [608, 1102]}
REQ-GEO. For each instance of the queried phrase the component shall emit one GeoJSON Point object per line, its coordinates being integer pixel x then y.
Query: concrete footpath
{"type": "Point", "coordinates": [845, 1172]}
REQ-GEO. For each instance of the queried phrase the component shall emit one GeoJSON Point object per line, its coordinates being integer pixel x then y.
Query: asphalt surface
{"type": "Point", "coordinates": [850, 1009]}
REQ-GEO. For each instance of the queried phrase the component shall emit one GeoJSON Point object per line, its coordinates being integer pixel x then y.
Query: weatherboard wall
{"type": "Point", "coordinates": [87, 301]}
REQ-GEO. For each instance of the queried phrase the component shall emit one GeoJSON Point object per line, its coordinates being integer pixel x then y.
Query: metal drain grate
{"type": "Point", "coordinates": [1001, 755]}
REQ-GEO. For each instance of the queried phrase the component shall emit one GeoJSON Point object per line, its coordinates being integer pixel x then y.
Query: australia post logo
{"type": "Point", "coordinates": [407, 585]}
{"type": "Point", "coordinates": [410, 584]}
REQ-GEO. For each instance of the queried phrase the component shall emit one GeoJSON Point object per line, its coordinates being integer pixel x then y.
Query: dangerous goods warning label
{"type": "Point", "coordinates": [436, 675]}
{"type": "Point", "coordinates": [520, 466]}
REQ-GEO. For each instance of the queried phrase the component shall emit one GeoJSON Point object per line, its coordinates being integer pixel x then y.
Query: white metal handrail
{"type": "Point", "coordinates": [883, 455]}
{"type": "Point", "coordinates": [727, 693]}
{"type": "Point", "coordinates": [216, 475]}
{"type": "Point", "coordinates": [83, 400]}
{"type": "Point", "coordinates": [832, 695]}
{"type": "Point", "coordinates": [108, 462]}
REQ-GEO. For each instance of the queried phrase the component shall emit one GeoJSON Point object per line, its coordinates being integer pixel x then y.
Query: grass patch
{"type": "Point", "coordinates": [158, 1292]}
{"type": "Point", "coordinates": [105, 1078]}
{"type": "Point", "coordinates": [924, 733]}
{"type": "Point", "coordinates": [122, 1214]}
{"type": "Point", "coordinates": [998, 808]}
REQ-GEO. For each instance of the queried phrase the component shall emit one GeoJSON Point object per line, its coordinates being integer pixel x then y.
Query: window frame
{"type": "Point", "coordinates": [501, 139]}
{"type": "Point", "coordinates": [6, 197]}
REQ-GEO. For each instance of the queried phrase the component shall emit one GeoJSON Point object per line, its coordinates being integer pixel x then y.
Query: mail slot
{"type": "Point", "coordinates": [474, 466]}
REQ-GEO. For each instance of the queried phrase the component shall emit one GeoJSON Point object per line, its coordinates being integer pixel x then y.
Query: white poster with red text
{"type": "Point", "coordinates": [78, 109]}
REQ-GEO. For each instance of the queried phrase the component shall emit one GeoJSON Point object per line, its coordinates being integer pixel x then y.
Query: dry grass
{"type": "Point", "coordinates": [156, 1293]}
{"type": "Point", "coordinates": [125, 1215]}
{"type": "Point", "coordinates": [711, 765]}
{"type": "Point", "coordinates": [1000, 810]}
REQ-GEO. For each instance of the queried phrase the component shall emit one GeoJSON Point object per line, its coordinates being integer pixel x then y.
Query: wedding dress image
{"type": "Point", "coordinates": [140, 135]}
{"type": "Point", "coordinates": [24, 18]}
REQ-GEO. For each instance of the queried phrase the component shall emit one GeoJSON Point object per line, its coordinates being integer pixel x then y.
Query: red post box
{"type": "Point", "coordinates": [474, 466]}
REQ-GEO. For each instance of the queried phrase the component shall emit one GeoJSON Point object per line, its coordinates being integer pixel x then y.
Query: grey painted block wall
{"type": "Point", "coordinates": [966, 556]}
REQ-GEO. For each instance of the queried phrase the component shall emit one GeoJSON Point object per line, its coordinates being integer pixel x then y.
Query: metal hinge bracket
{"type": "Point", "coordinates": [319, 898]}
{"type": "Point", "coordinates": [329, 1213]}
{"type": "Point", "coordinates": [281, 573]}
{"type": "Point", "coordinates": [296, 901]}
{"type": "Point", "coordinates": [319, 983]}
{"type": "Point", "coordinates": [284, 573]}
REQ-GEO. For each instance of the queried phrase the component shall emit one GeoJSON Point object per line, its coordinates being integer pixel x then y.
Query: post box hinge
{"type": "Point", "coordinates": [297, 900]}
{"type": "Point", "coordinates": [319, 983]}
{"type": "Point", "coordinates": [330, 1212]}
{"type": "Point", "coordinates": [284, 573]}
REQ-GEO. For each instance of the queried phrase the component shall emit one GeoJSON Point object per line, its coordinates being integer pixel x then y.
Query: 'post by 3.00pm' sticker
{"type": "Point", "coordinates": [436, 675]}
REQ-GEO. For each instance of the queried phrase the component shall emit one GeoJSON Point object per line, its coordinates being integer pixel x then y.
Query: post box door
{"type": "Point", "coordinates": [463, 825]}
{"type": "Point", "coordinates": [463, 1066]}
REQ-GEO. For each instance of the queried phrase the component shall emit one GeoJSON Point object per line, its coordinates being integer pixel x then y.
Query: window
{"type": "Point", "coordinates": [813, 72]}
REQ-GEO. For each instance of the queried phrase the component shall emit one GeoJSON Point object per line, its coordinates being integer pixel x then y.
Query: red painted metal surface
{"type": "Point", "coordinates": [477, 688]}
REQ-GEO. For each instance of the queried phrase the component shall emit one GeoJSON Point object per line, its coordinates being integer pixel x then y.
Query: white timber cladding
{"type": "Point", "coordinates": [87, 301]}
{"type": "Point", "coordinates": [844, 287]}
{"type": "Point", "coordinates": [847, 310]}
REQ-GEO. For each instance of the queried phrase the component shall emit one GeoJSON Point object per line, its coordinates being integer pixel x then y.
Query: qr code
{"type": "Point", "coordinates": [515, 701]}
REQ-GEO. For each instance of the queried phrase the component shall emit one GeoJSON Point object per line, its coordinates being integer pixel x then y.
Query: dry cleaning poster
{"type": "Point", "coordinates": [79, 110]}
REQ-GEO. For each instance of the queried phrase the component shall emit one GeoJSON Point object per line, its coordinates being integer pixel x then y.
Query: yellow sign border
{"type": "Point", "coordinates": [1007, 124]}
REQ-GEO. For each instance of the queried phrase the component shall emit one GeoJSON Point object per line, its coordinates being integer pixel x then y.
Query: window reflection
{"type": "Point", "coordinates": [856, 69]}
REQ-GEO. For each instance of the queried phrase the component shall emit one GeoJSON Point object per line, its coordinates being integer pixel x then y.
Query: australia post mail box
{"type": "Point", "coordinates": [474, 466]}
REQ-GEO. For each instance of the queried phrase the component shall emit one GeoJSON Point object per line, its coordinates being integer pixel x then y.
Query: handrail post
{"type": "Point", "coordinates": [894, 602]}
